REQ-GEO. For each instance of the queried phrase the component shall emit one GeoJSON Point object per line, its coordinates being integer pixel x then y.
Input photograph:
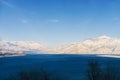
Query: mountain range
{"type": "Point", "coordinates": [21, 46]}
{"type": "Point", "coordinates": [99, 45]}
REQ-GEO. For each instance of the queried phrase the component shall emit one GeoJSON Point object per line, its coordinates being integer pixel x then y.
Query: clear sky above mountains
{"type": "Point", "coordinates": [54, 22]}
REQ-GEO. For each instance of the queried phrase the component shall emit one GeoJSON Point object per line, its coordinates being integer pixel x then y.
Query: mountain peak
{"type": "Point", "coordinates": [104, 37]}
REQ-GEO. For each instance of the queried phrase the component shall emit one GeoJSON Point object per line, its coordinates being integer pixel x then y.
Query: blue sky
{"type": "Point", "coordinates": [54, 22]}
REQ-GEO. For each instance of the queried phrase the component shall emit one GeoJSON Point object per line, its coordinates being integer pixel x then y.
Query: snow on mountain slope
{"type": "Point", "coordinates": [100, 45]}
{"type": "Point", "coordinates": [22, 46]}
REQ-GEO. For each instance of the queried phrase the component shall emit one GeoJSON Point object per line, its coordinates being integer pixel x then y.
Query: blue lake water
{"type": "Point", "coordinates": [69, 66]}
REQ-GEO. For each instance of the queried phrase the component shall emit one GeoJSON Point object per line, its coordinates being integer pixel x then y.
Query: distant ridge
{"type": "Point", "coordinates": [99, 45]}
{"type": "Point", "coordinates": [22, 46]}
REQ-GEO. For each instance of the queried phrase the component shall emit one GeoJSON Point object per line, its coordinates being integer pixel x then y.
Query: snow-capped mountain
{"type": "Point", "coordinates": [100, 45]}
{"type": "Point", "coordinates": [22, 46]}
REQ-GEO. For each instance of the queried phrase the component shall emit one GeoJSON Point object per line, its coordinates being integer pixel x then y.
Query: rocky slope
{"type": "Point", "coordinates": [100, 45]}
{"type": "Point", "coordinates": [22, 46]}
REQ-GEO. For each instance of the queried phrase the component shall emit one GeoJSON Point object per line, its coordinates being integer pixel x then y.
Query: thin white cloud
{"type": "Point", "coordinates": [115, 19]}
{"type": "Point", "coordinates": [24, 21]}
{"type": "Point", "coordinates": [54, 20]}
{"type": "Point", "coordinates": [7, 4]}
{"type": "Point", "coordinates": [88, 21]}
